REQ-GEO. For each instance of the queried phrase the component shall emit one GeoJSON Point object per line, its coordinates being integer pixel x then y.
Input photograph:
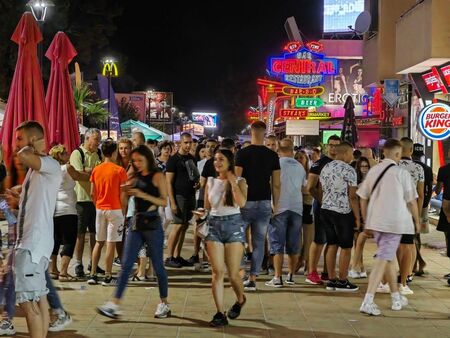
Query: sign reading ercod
{"type": "Point", "coordinates": [434, 121]}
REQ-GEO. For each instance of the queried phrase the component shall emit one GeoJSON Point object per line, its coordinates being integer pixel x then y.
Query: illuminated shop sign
{"type": "Point", "coordinates": [304, 67]}
{"type": "Point", "coordinates": [446, 71]}
{"type": "Point", "coordinates": [300, 114]}
{"type": "Point", "coordinates": [431, 81]}
{"type": "Point", "coordinates": [313, 91]}
{"type": "Point", "coordinates": [434, 121]}
{"type": "Point", "coordinates": [305, 102]}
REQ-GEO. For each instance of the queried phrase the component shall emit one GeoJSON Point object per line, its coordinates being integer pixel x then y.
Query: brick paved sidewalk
{"type": "Point", "coordinates": [299, 311]}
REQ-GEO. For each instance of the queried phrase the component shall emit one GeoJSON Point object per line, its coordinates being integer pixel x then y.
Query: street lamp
{"type": "Point", "coordinates": [39, 11]}
{"type": "Point", "coordinates": [109, 70]}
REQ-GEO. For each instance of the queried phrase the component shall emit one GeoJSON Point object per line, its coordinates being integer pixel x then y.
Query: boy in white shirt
{"type": "Point", "coordinates": [388, 209]}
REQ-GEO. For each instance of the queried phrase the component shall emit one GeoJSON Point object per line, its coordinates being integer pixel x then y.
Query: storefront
{"type": "Point", "coordinates": [304, 83]}
{"type": "Point", "coordinates": [432, 87]}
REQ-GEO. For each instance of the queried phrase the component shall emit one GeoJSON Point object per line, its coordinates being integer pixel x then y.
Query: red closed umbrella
{"type": "Point", "coordinates": [26, 95]}
{"type": "Point", "coordinates": [62, 121]}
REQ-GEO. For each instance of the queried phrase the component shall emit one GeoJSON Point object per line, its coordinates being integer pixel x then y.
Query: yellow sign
{"type": "Point", "coordinates": [110, 69]}
{"type": "Point", "coordinates": [318, 116]}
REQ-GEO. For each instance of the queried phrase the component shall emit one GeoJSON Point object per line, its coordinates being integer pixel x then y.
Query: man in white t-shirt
{"type": "Point", "coordinates": [35, 225]}
{"type": "Point", "coordinates": [388, 210]}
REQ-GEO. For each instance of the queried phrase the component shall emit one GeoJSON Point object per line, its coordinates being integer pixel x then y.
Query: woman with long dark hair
{"type": "Point", "coordinates": [224, 196]}
{"type": "Point", "coordinates": [149, 190]}
{"type": "Point", "coordinates": [357, 270]}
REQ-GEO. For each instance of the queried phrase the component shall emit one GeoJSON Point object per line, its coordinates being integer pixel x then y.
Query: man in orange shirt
{"type": "Point", "coordinates": [111, 205]}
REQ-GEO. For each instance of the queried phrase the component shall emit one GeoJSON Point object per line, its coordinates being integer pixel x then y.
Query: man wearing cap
{"type": "Point", "coordinates": [417, 155]}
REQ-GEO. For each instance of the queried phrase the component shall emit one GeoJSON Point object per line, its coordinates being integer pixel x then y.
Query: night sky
{"type": "Point", "coordinates": [188, 47]}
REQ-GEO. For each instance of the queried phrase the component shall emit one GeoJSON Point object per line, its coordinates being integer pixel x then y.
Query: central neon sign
{"type": "Point", "coordinates": [304, 67]}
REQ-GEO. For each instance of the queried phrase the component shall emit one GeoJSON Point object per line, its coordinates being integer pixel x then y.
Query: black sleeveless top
{"type": "Point", "coordinates": [145, 184]}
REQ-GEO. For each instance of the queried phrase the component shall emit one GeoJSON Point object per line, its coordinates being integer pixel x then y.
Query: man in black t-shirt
{"type": "Point", "coordinates": [182, 181]}
{"type": "Point", "coordinates": [428, 190]}
{"type": "Point", "coordinates": [315, 190]}
{"type": "Point", "coordinates": [260, 166]}
{"type": "Point", "coordinates": [443, 181]}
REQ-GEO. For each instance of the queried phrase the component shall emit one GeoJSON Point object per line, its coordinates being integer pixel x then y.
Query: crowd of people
{"type": "Point", "coordinates": [252, 203]}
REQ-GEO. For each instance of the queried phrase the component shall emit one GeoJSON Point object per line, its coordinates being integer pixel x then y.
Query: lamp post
{"type": "Point", "coordinates": [109, 70]}
{"type": "Point", "coordinates": [39, 11]}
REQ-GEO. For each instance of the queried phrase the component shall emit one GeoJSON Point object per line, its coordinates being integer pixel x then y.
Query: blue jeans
{"type": "Point", "coordinates": [8, 291]}
{"type": "Point", "coordinates": [257, 214]}
{"type": "Point", "coordinates": [285, 231]}
{"type": "Point", "coordinates": [53, 299]}
{"type": "Point", "coordinates": [155, 244]}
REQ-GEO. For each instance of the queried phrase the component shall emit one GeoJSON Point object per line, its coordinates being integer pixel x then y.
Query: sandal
{"type": "Point", "coordinates": [54, 275]}
{"type": "Point", "coordinates": [67, 278]}
{"type": "Point", "coordinates": [138, 279]}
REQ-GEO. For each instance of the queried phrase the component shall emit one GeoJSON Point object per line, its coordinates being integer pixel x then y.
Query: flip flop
{"type": "Point", "coordinates": [67, 278]}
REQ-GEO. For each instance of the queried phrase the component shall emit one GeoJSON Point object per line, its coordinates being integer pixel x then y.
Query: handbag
{"type": "Point", "coordinates": [146, 220]}
{"type": "Point", "coordinates": [202, 226]}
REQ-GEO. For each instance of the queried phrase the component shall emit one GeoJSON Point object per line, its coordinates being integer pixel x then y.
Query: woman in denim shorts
{"type": "Point", "coordinates": [224, 196]}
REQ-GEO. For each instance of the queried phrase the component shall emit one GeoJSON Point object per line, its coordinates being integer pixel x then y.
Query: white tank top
{"type": "Point", "coordinates": [216, 196]}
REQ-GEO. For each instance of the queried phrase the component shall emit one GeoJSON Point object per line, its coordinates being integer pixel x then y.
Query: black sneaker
{"type": "Point", "coordinates": [345, 286]}
{"type": "Point", "coordinates": [235, 310]}
{"type": "Point", "coordinates": [172, 263]}
{"type": "Point", "coordinates": [447, 276]}
{"type": "Point", "coordinates": [79, 271]}
{"type": "Point", "coordinates": [194, 259]}
{"type": "Point", "coordinates": [99, 271]}
{"type": "Point", "coordinates": [183, 262]}
{"type": "Point", "coordinates": [219, 319]}
{"type": "Point", "coordinates": [290, 279]}
{"type": "Point", "coordinates": [448, 282]}
{"type": "Point", "coordinates": [92, 280]}
{"type": "Point", "coordinates": [117, 262]}
{"type": "Point", "coordinates": [331, 285]}
{"type": "Point", "coordinates": [249, 285]}
{"type": "Point", "coordinates": [324, 276]}
{"type": "Point", "coordinates": [109, 281]}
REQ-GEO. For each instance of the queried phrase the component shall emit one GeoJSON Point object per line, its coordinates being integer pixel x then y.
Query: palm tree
{"type": "Point", "coordinates": [84, 105]}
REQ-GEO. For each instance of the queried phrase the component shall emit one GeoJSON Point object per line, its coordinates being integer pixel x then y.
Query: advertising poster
{"type": "Point", "coordinates": [347, 82]}
{"type": "Point", "coordinates": [339, 14]}
{"type": "Point", "coordinates": [136, 102]}
{"type": "Point", "coordinates": [161, 104]}
{"type": "Point", "coordinates": [206, 119]}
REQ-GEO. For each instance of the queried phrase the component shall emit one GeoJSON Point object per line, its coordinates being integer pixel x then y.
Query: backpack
{"type": "Point", "coordinates": [99, 153]}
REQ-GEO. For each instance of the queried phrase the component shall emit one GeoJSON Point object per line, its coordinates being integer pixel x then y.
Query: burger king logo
{"type": "Point", "coordinates": [434, 121]}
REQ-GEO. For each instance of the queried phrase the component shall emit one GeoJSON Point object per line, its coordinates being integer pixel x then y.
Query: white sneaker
{"type": "Point", "coordinates": [383, 288]}
{"type": "Point", "coordinates": [405, 290]}
{"type": "Point", "coordinates": [275, 283]}
{"type": "Point", "coordinates": [398, 304]}
{"type": "Point", "coordinates": [7, 328]}
{"type": "Point", "coordinates": [371, 309]}
{"type": "Point", "coordinates": [354, 274]}
{"type": "Point", "coordinates": [163, 311]}
{"type": "Point", "coordinates": [363, 274]}
{"type": "Point", "coordinates": [60, 322]}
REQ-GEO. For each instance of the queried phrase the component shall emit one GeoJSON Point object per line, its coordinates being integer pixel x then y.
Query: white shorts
{"type": "Point", "coordinates": [109, 225]}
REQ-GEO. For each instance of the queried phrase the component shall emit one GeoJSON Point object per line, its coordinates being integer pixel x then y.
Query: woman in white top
{"type": "Point", "coordinates": [224, 196]}
{"type": "Point", "coordinates": [65, 219]}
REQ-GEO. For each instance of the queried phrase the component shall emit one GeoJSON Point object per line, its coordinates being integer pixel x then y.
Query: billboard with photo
{"type": "Point", "coordinates": [347, 82]}
{"type": "Point", "coordinates": [339, 14]}
{"type": "Point", "coordinates": [206, 119]}
{"type": "Point", "coordinates": [161, 104]}
{"type": "Point", "coordinates": [131, 102]}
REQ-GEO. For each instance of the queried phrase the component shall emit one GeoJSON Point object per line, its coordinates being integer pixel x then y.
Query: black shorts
{"type": "Point", "coordinates": [307, 215]}
{"type": "Point", "coordinates": [320, 236]}
{"type": "Point", "coordinates": [339, 228]}
{"type": "Point", "coordinates": [86, 217]}
{"type": "Point", "coordinates": [407, 239]}
{"type": "Point", "coordinates": [185, 205]}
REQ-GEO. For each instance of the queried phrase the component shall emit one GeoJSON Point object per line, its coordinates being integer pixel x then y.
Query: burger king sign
{"type": "Point", "coordinates": [434, 121]}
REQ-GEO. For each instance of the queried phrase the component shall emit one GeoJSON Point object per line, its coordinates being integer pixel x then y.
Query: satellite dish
{"type": "Point", "coordinates": [362, 23]}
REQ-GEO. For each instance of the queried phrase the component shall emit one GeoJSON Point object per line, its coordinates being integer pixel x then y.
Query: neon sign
{"type": "Point", "coordinates": [110, 69]}
{"type": "Point", "coordinates": [303, 114]}
{"type": "Point", "coordinates": [304, 67]}
{"type": "Point", "coordinates": [313, 91]}
{"type": "Point", "coordinates": [303, 102]}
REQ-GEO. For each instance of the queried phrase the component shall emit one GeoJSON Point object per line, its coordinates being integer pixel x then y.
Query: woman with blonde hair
{"type": "Point", "coordinates": [65, 219]}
